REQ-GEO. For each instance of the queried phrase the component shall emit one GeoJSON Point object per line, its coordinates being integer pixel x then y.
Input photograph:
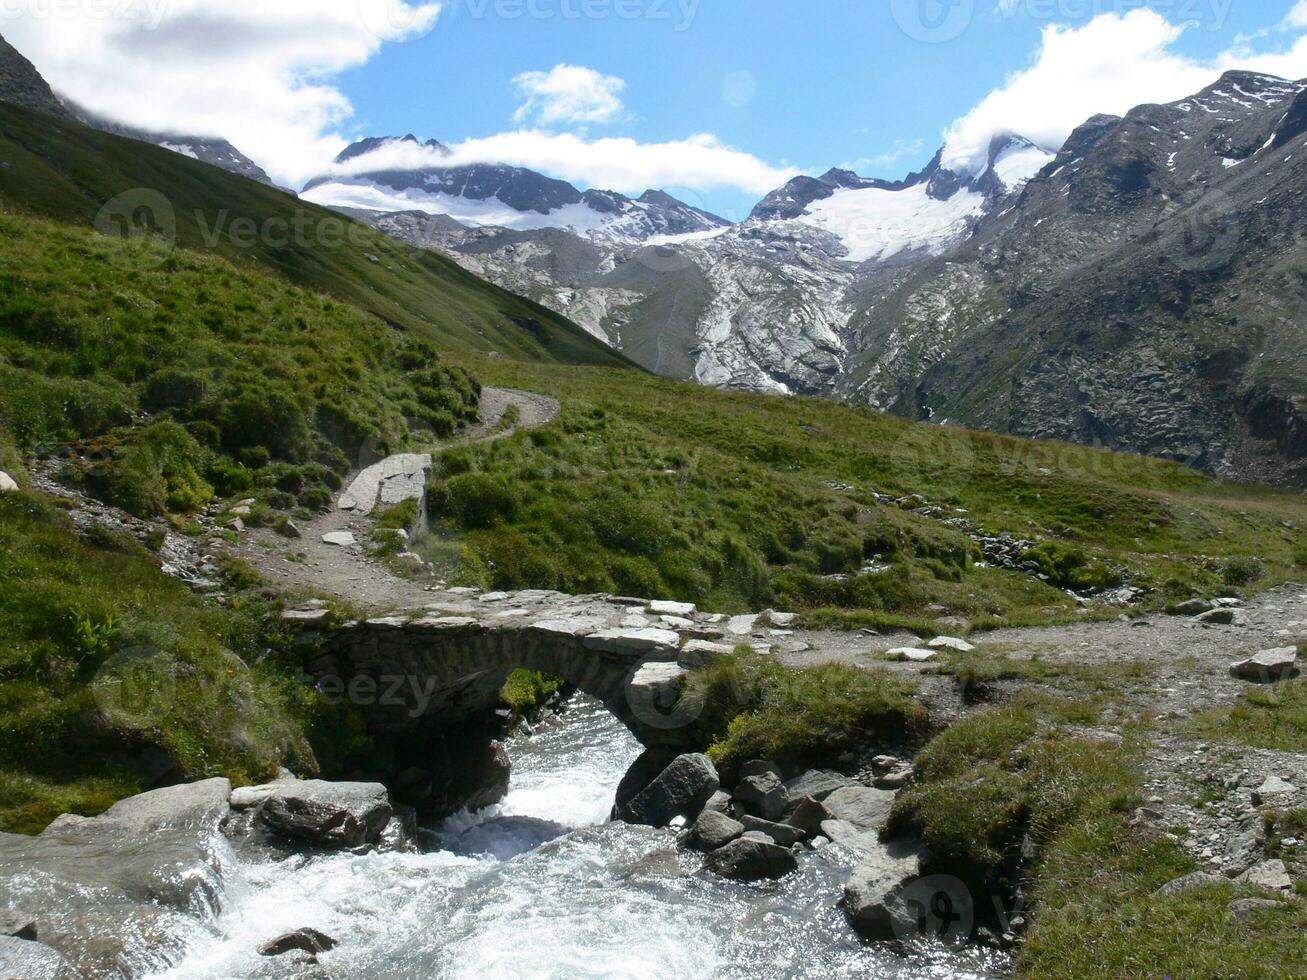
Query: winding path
{"type": "Point", "coordinates": [312, 566]}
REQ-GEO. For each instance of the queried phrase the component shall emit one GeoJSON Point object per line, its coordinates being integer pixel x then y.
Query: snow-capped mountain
{"type": "Point", "coordinates": [493, 195]}
{"type": "Point", "coordinates": [1138, 287]}
{"type": "Point", "coordinates": [763, 305]}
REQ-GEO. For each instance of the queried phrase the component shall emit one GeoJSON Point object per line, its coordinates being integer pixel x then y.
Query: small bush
{"type": "Point", "coordinates": [479, 500]}
{"type": "Point", "coordinates": [1241, 571]}
{"type": "Point", "coordinates": [1070, 567]}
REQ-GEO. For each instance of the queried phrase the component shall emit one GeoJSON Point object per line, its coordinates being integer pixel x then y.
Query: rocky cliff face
{"type": "Point", "coordinates": [1145, 292]}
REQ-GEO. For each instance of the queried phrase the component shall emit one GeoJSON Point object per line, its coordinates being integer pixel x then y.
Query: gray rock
{"type": "Point", "coordinates": [7, 483]}
{"type": "Point", "coordinates": [861, 806]}
{"type": "Point", "coordinates": [1220, 617]}
{"type": "Point", "coordinates": [632, 642]}
{"type": "Point", "coordinates": [713, 830]}
{"type": "Point", "coordinates": [1267, 666]}
{"type": "Point", "coordinates": [703, 653]}
{"type": "Point", "coordinates": [786, 835]}
{"type": "Point", "coordinates": [1273, 786]}
{"type": "Point", "coordinates": [1269, 874]}
{"type": "Point", "coordinates": [894, 780]}
{"type": "Point", "coordinates": [289, 529]}
{"type": "Point", "coordinates": [1194, 879]}
{"type": "Point", "coordinates": [880, 871]}
{"type": "Point", "coordinates": [808, 816]}
{"type": "Point", "coordinates": [950, 643]}
{"type": "Point", "coordinates": [914, 654]}
{"type": "Point", "coordinates": [1191, 607]}
{"type": "Point", "coordinates": [720, 802]}
{"type": "Point", "coordinates": [23, 959]}
{"type": "Point", "coordinates": [757, 767]}
{"type": "Point", "coordinates": [752, 859]}
{"type": "Point", "coordinates": [850, 836]}
{"type": "Point", "coordinates": [762, 796]}
{"type": "Point", "coordinates": [680, 790]}
{"type": "Point", "coordinates": [341, 539]}
{"type": "Point", "coordinates": [817, 783]}
{"type": "Point", "coordinates": [305, 940]}
{"type": "Point", "coordinates": [112, 885]}
{"type": "Point", "coordinates": [331, 815]}
{"type": "Point", "coordinates": [17, 924]}
{"type": "Point", "coordinates": [1242, 909]}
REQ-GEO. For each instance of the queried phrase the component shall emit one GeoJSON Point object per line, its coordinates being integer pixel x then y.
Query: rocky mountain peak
{"type": "Point", "coordinates": [21, 84]}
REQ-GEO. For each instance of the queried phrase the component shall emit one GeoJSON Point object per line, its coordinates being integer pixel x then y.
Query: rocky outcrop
{"type": "Point", "coordinates": [762, 795]}
{"type": "Point", "coordinates": [752, 858]}
{"type": "Point", "coordinates": [302, 940]}
{"type": "Point", "coordinates": [680, 790]}
{"type": "Point", "coordinates": [712, 830]}
{"type": "Point", "coordinates": [105, 885]}
{"type": "Point", "coordinates": [328, 815]}
{"type": "Point", "coordinates": [870, 895]}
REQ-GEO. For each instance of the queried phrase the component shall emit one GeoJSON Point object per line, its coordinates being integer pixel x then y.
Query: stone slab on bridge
{"type": "Point", "coordinates": [447, 661]}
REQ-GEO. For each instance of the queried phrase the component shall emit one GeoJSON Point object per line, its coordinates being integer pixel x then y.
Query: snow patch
{"type": "Point", "coordinates": [877, 224]}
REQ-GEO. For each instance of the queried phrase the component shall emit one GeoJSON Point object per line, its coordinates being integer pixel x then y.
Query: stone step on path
{"type": "Point", "coordinates": [389, 482]}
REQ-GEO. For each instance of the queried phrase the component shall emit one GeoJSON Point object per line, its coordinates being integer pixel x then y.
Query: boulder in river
{"type": "Point", "coordinates": [751, 859]}
{"type": "Point", "coordinates": [680, 790]}
{"type": "Point", "coordinates": [304, 940]}
{"type": "Point", "coordinates": [808, 816]}
{"type": "Point", "coordinates": [763, 795]}
{"type": "Point", "coordinates": [330, 815]}
{"type": "Point", "coordinates": [713, 830]}
{"type": "Point", "coordinates": [109, 885]}
{"type": "Point", "coordinates": [868, 894]}
{"type": "Point", "coordinates": [817, 783]}
{"type": "Point", "coordinates": [17, 924]}
{"type": "Point", "coordinates": [783, 834]}
{"type": "Point", "coordinates": [24, 959]}
{"type": "Point", "coordinates": [861, 806]}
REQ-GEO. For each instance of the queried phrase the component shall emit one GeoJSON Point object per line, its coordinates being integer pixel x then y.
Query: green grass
{"type": "Point", "coordinates": [1270, 717]}
{"type": "Point", "coordinates": [526, 691]}
{"type": "Point", "coordinates": [1025, 771]}
{"type": "Point", "coordinates": [194, 377]}
{"type": "Point", "coordinates": [655, 487]}
{"type": "Point", "coordinates": [69, 172]}
{"type": "Point", "coordinates": [111, 672]}
{"type": "Point", "coordinates": [750, 707]}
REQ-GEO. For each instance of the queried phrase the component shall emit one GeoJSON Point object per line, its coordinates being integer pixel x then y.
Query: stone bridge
{"type": "Point", "coordinates": [446, 663]}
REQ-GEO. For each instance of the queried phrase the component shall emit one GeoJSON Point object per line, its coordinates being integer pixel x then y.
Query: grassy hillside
{"type": "Point", "coordinates": [69, 172]}
{"type": "Point", "coordinates": [114, 676]}
{"type": "Point", "coordinates": [184, 377]}
{"type": "Point", "coordinates": [654, 486]}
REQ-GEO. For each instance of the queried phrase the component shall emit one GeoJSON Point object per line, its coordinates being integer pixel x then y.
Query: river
{"type": "Point", "coordinates": [543, 887]}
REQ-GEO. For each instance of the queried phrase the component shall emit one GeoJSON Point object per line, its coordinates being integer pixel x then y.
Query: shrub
{"type": "Point", "coordinates": [1242, 570]}
{"type": "Point", "coordinates": [1070, 567]}
{"type": "Point", "coordinates": [479, 500]}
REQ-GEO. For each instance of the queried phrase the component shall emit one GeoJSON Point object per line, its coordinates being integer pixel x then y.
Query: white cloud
{"type": "Point", "coordinates": [256, 72]}
{"type": "Point", "coordinates": [612, 163]}
{"type": "Point", "coordinates": [1110, 65]}
{"type": "Point", "coordinates": [568, 95]}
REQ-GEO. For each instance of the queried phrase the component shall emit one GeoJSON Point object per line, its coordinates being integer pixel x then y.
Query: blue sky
{"type": "Point", "coordinates": [718, 101]}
